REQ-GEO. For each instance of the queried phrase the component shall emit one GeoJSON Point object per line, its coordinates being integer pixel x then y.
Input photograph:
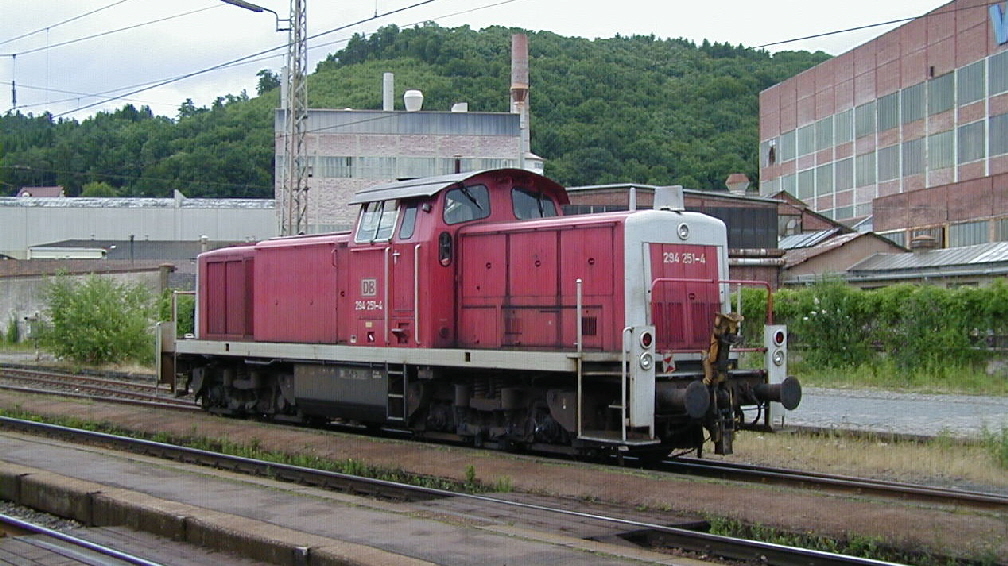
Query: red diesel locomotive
{"type": "Point", "coordinates": [469, 306]}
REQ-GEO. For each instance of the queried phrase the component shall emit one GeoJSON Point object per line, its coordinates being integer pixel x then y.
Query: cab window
{"type": "Point", "coordinates": [463, 204]}
{"type": "Point", "coordinates": [377, 222]}
{"type": "Point", "coordinates": [529, 204]}
{"type": "Point", "coordinates": [408, 221]}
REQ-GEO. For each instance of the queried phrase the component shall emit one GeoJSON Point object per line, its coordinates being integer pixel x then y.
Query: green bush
{"type": "Point", "coordinates": [97, 320]}
{"type": "Point", "coordinates": [186, 310]}
{"type": "Point", "coordinates": [13, 334]}
{"type": "Point", "coordinates": [906, 328]}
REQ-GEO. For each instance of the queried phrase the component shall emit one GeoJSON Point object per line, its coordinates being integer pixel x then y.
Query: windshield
{"type": "Point", "coordinates": [377, 221]}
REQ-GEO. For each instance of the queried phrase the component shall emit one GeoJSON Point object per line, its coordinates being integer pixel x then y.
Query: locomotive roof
{"type": "Point", "coordinates": [428, 186]}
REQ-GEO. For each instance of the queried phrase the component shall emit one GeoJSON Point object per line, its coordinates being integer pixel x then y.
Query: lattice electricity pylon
{"type": "Point", "coordinates": [294, 204]}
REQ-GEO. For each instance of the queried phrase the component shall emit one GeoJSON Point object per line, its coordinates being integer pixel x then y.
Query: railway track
{"type": "Point", "coordinates": [142, 391]}
{"type": "Point", "coordinates": [145, 392]}
{"type": "Point", "coordinates": [65, 548]}
{"type": "Point", "coordinates": [766, 475]}
{"type": "Point", "coordinates": [652, 535]}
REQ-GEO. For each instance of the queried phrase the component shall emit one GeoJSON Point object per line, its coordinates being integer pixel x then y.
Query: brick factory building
{"type": "Point", "coordinates": [906, 134]}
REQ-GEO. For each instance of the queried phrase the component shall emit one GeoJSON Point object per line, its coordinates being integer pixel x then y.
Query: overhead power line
{"type": "Point", "coordinates": [839, 31]}
{"type": "Point", "coordinates": [46, 28]}
{"type": "Point", "coordinates": [937, 12]}
{"type": "Point", "coordinates": [112, 31]}
{"type": "Point", "coordinates": [242, 59]}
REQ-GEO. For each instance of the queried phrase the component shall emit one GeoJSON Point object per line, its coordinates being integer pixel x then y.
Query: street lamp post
{"type": "Point", "coordinates": [294, 198]}
{"type": "Point", "coordinates": [257, 8]}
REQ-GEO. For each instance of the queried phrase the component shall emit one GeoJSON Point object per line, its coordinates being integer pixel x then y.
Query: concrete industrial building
{"type": "Point", "coordinates": [33, 221]}
{"type": "Point", "coordinates": [906, 135]}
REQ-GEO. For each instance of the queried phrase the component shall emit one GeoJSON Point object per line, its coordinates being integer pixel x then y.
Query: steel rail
{"type": "Point", "coordinates": [848, 484]}
{"type": "Point", "coordinates": [75, 541]}
{"type": "Point", "coordinates": [727, 547]}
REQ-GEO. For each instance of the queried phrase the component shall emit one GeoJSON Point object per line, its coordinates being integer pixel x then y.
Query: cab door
{"type": "Point", "coordinates": [371, 274]}
{"type": "Point", "coordinates": [405, 310]}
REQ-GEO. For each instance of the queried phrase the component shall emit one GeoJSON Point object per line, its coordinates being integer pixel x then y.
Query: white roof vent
{"type": "Point", "coordinates": [413, 99]}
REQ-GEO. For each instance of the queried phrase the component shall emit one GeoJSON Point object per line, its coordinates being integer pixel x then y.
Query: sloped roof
{"type": "Point", "coordinates": [141, 202]}
{"type": "Point", "coordinates": [806, 240]}
{"type": "Point", "coordinates": [56, 191]}
{"type": "Point", "coordinates": [427, 186]}
{"type": "Point", "coordinates": [161, 250]}
{"type": "Point", "coordinates": [977, 258]}
{"type": "Point", "coordinates": [793, 257]}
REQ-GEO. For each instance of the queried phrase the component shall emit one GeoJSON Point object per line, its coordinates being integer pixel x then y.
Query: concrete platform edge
{"type": "Point", "coordinates": [97, 505]}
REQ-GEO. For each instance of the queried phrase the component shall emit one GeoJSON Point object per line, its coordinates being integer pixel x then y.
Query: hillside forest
{"type": "Point", "coordinates": [623, 109]}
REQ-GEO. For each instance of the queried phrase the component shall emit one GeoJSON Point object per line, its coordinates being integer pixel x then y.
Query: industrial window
{"type": "Point", "coordinates": [331, 167]}
{"type": "Point", "coordinates": [843, 213]}
{"type": "Point", "coordinates": [898, 238]}
{"type": "Point", "coordinates": [844, 174]}
{"type": "Point", "coordinates": [528, 204]}
{"type": "Point", "coordinates": [941, 93]}
{"type": "Point", "coordinates": [377, 221]}
{"type": "Point", "coordinates": [864, 120]}
{"type": "Point", "coordinates": [998, 134]}
{"type": "Point", "coordinates": [824, 133]}
{"type": "Point", "coordinates": [939, 150]}
{"type": "Point", "coordinates": [912, 103]}
{"type": "Point", "coordinates": [843, 129]}
{"type": "Point", "coordinates": [863, 209]}
{"type": "Point", "coordinates": [768, 152]}
{"type": "Point", "coordinates": [806, 139]}
{"type": "Point", "coordinates": [770, 187]}
{"type": "Point", "coordinates": [824, 179]}
{"type": "Point", "coordinates": [970, 81]}
{"type": "Point", "coordinates": [788, 184]}
{"type": "Point", "coordinates": [463, 204]}
{"type": "Point", "coordinates": [888, 112]}
{"type": "Point", "coordinates": [1001, 228]}
{"type": "Point", "coordinates": [998, 78]}
{"type": "Point", "coordinates": [913, 157]}
{"type": "Point", "coordinates": [787, 146]}
{"type": "Point", "coordinates": [408, 167]}
{"type": "Point", "coordinates": [864, 166]}
{"type": "Point", "coordinates": [888, 163]}
{"type": "Point", "coordinates": [968, 234]}
{"type": "Point", "coordinates": [971, 142]}
{"type": "Point", "coordinates": [806, 184]}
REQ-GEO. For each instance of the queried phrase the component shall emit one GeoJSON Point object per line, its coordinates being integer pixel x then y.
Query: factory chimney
{"type": "Point", "coordinates": [520, 91]}
{"type": "Point", "coordinates": [388, 92]}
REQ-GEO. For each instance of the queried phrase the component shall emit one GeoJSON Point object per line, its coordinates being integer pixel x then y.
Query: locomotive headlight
{"type": "Point", "coordinates": [646, 339]}
{"type": "Point", "coordinates": [778, 338]}
{"type": "Point", "coordinates": [646, 361]}
{"type": "Point", "coordinates": [778, 357]}
{"type": "Point", "coordinates": [683, 231]}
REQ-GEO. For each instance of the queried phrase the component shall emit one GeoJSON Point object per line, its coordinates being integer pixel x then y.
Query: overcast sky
{"type": "Point", "coordinates": [61, 65]}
